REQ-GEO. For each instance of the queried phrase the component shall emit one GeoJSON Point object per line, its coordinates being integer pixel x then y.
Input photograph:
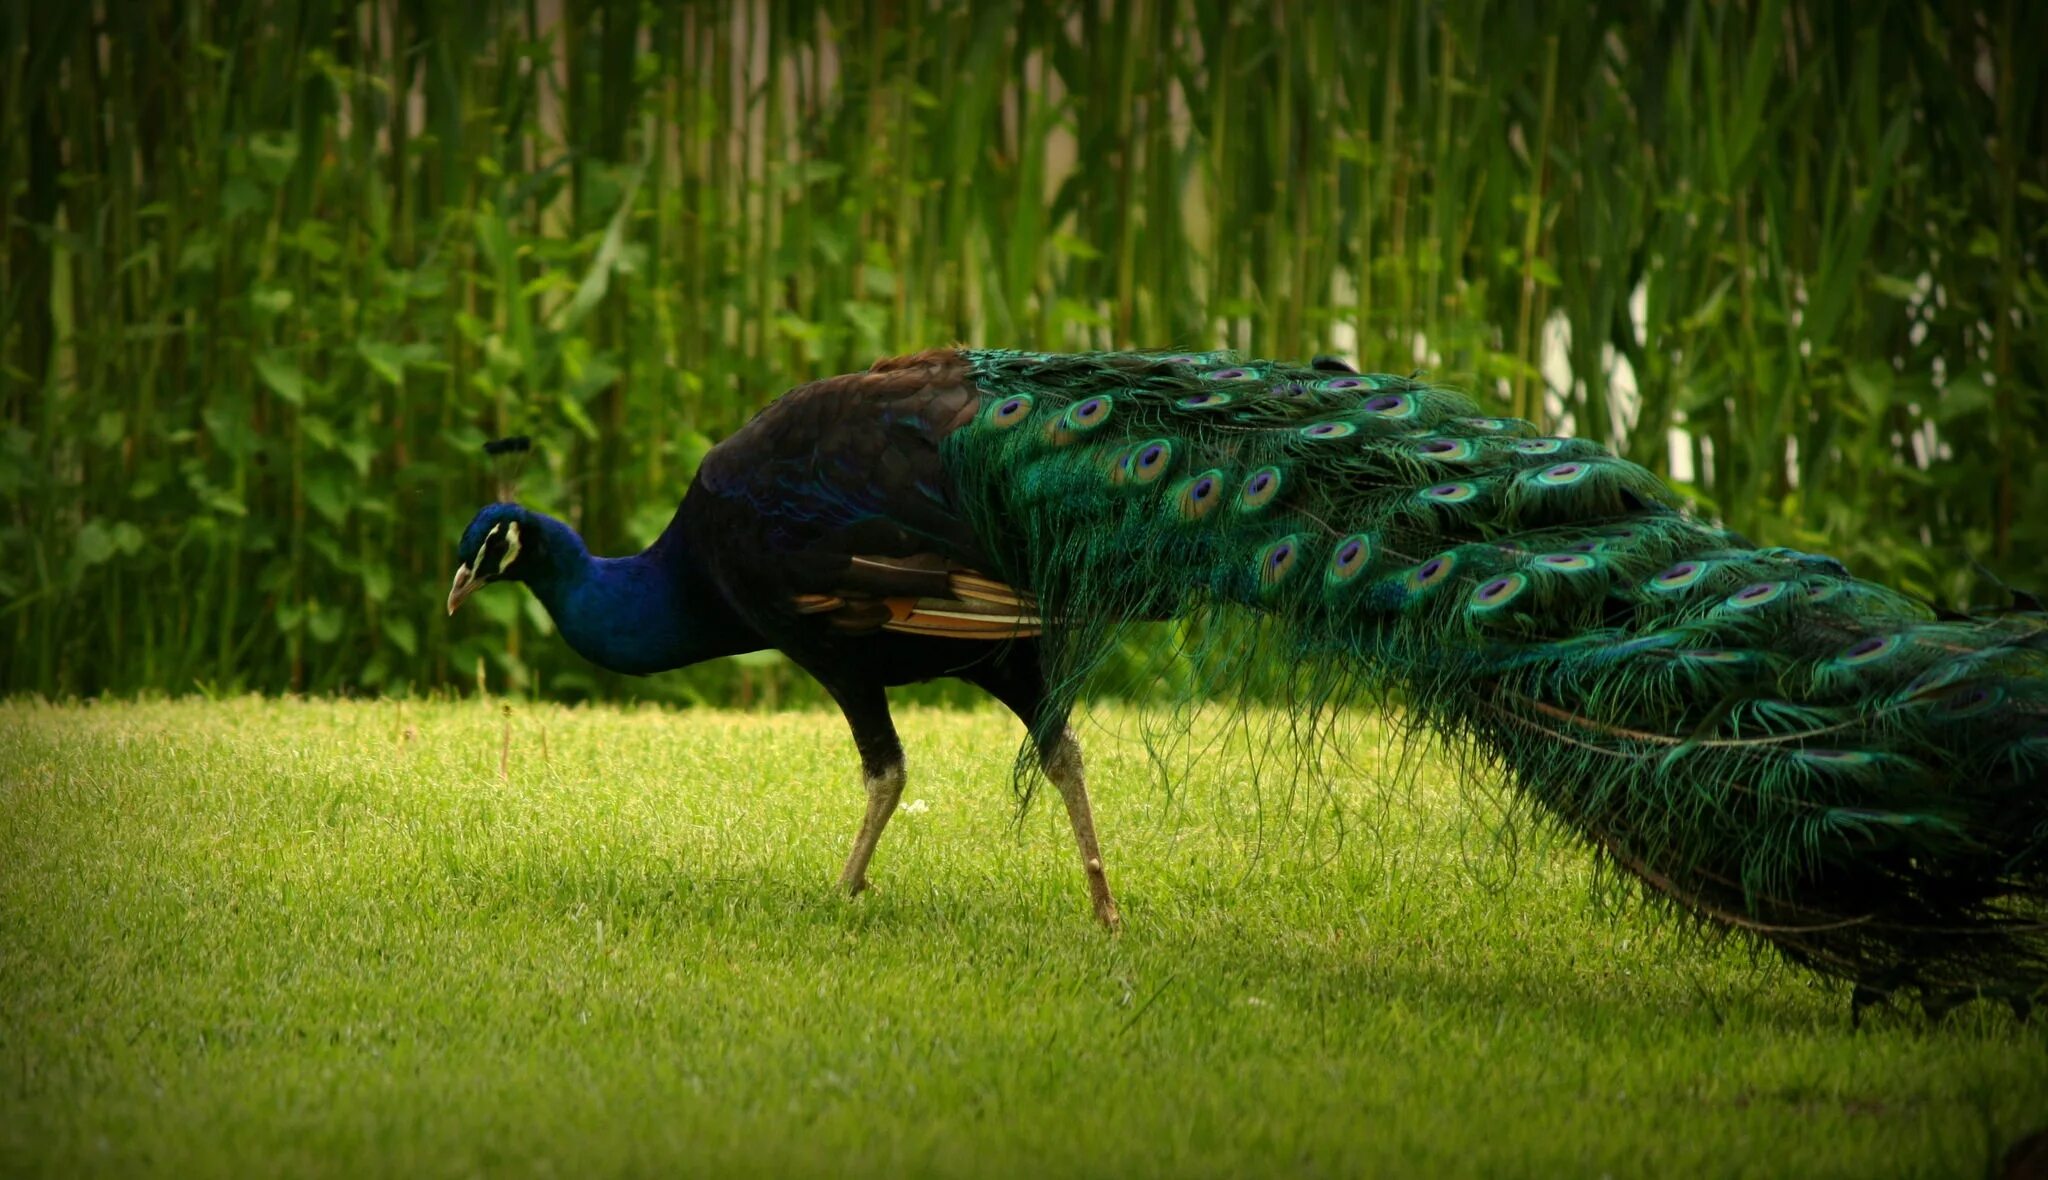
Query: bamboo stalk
{"type": "Point", "coordinates": [273, 269]}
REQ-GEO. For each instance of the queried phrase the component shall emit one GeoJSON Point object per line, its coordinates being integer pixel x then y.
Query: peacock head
{"type": "Point", "coordinates": [489, 550]}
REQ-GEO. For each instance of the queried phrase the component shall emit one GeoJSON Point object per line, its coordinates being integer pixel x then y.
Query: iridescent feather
{"type": "Point", "coordinates": [1772, 744]}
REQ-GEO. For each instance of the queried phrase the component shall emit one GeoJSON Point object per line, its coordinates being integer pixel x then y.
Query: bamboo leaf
{"type": "Point", "coordinates": [281, 375]}
{"type": "Point", "coordinates": [597, 280]}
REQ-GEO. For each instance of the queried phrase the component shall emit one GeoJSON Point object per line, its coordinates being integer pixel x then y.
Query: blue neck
{"type": "Point", "coordinates": [638, 615]}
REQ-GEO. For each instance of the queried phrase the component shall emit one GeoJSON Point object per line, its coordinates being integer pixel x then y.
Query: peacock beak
{"type": "Point", "coordinates": [465, 585]}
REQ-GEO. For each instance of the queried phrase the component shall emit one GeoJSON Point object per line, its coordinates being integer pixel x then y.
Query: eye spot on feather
{"type": "Point", "coordinates": [1120, 466]}
{"type": "Point", "coordinates": [1339, 384]}
{"type": "Point", "coordinates": [1679, 577]}
{"type": "Point", "coordinates": [1562, 475]}
{"type": "Point", "coordinates": [1432, 572]}
{"type": "Point", "coordinates": [1938, 677]}
{"type": "Point", "coordinates": [1570, 563]}
{"type": "Point", "coordinates": [1391, 405]}
{"type": "Point", "coordinates": [1010, 411]}
{"type": "Point", "coordinates": [1836, 757]}
{"type": "Point", "coordinates": [1088, 413]}
{"type": "Point", "coordinates": [1200, 495]}
{"type": "Point", "coordinates": [1151, 460]}
{"type": "Point", "coordinates": [1498, 593]}
{"type": "Point", "coordinates": [1279, 560]}
{"type": "Point", "coordinates": [1539, 446]}
{"type": "Point", "coordinates": [1208, 399]}
{"type": "Point", "coordinates": [1260, 489]}
{"type": "Point", "coordinates": [1183, 358]}
{"type": "Point", "coordinates": [1492, 425]}
{"type": "Point", "coordinates": [1714, 655]}
{"type": "Point", "coordinates": [1231, 374]}
{"type": "Point", "coordinates": [1450, 493]}
{"type": "Point", "coordinates": [1971, 700]}
{"type": "Point", "coordinates": [1449, 450]}
{"type": "Point", "coordinates": [1329, 430]}
{"type": "Point", "coordinates": [1353, 554]}
{"type": "Point", "coordinates": [1869, 650]}
{"type": "Point", "coordinates": [1756, 594]}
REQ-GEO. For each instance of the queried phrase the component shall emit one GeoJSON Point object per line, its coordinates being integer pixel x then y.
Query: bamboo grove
{"type": "Point", "coordinates": [273, 270]}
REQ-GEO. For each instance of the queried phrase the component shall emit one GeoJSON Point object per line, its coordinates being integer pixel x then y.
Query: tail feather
{"type": "Point", "coordinates": [1772, 743]}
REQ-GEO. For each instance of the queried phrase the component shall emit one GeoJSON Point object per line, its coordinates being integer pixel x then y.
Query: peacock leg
{"type": "Point", "coordinates": [1061, 759]}
{"type": "Point", "coordinates": [1016, 679]}
{"type": "Point", "coordinates": [885, 788]}
{"type": "Point", "coordinates": [881, 759]}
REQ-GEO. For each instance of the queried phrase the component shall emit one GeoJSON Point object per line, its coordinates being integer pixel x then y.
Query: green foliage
{"type": "Point", "coordinates": [273, 270]}
{"type": "Point", "coordinates": [333, 939]}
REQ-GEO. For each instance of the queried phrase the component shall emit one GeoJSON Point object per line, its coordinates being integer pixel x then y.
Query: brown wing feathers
{"type": "Point", "coordinates": [921, 595]}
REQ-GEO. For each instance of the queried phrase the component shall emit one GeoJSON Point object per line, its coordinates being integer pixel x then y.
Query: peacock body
{"type": "Point", "coordinates": [1773, 744]}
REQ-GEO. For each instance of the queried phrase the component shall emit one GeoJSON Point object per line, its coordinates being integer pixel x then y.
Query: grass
{"type": "Point", "coordinates": [329, 938]}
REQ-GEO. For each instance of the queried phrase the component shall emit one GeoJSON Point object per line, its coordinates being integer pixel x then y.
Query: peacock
{"type": "Point", "coordinates": [1843, 772]}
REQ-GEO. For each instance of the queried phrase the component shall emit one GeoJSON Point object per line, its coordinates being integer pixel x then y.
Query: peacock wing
{"type": "Point", "coordinates": [833, 503]}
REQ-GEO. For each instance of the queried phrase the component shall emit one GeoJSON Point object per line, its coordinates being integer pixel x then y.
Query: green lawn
{"type": "Point", "coordinates": [261, 938]}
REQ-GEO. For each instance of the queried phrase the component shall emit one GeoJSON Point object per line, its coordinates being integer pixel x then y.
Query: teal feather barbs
{"type": "Point", "coordinates": [1769, 742]}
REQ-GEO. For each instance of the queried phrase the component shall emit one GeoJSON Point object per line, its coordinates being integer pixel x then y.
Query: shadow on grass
{"type": "Point", "coordinates": [793, 912]}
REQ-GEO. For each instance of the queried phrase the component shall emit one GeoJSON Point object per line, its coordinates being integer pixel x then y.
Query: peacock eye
{"type": "Point", "coordinates": [1755, 595]}
{"type": "Point", "coordinates": [1205, 400]}
{"type": "Point", "coordinates": [1870, 649]}
{"type": "Point", "coordinates": [1345, 383]}
{"type": "Point", "coordinates": [1841, 758]}
{"type": "Point", "coordinates": [1450, 449]}
{"type": "Point", "coordinates": [1539, 446]}
{"type": "Point", "coordinates": [1278, 560]}
{"type": "Point", "coordinates": [1970, 700]}
{"type": "Point", "coordinates": [1227, 375]}
{"type": "Point", "coordinates": [1329, 430]}
{"type": "Point", "coordinates": [1391, 405]}
{"type": "Point", "coordinates": [1198, 496]}
{"type": "Point", "coordinates": [1120, 466]}
{"type": "Point", "coordinates": [1431, 572]}
{"type": "Point", "coordinates": [1152, 460]}
{"type": "Point", "coordinates": [1087, 414]}
{"type": "Point", "coordinates": [1011, 411]}
{"type": "Point", "coordinates": [1260, 489]}
{"type": "Point", "coordinates": [1562, 474]}
{"type": "Point", "coordinates": [1451, 493]}
{"type": "Point", "coordinates": [1353, 554]}
{"type": "Point", "coordinates": [1499, 592]}
{"type": "Point", "coordinates": [1679, 576]}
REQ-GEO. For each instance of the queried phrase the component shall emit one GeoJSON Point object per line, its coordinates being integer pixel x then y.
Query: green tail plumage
{"type": "Point", "coordinates": [1774, 744]}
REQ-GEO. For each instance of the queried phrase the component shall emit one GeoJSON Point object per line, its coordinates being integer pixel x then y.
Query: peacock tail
{"type": "Point", "coordinates": [1775, 745]}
